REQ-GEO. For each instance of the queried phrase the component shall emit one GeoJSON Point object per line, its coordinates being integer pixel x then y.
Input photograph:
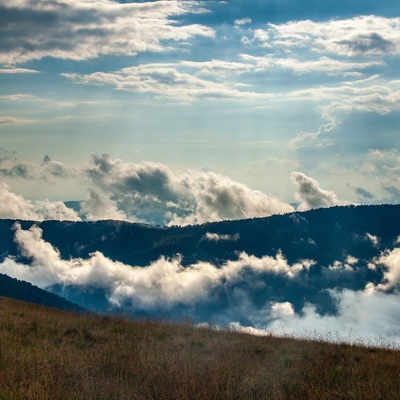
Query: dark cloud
{"type": "Point", "coordinates": [362, 193]}
{"type": "Point", "coordinates": [371, 43]}
{"type": "Point", "coordinates": [17, 171]}
{"type": "Point", "coordinates": [392, 194]}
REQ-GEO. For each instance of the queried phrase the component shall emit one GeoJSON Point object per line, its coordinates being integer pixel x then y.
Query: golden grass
{"type": "Point", "coordinates": [50, 354]}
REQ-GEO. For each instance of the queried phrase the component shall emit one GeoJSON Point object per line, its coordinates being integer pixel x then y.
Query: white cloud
{"type": "Point", "coordinates": [390, 259]}
{"type": "Point", "coordinates": [146, 192]}
{"type": "Point", "coordinates": [323, 64]}
{"type": "Point", "coordinates": [215, 237]}
{"type": "Point", "coordinates": [97, 206]}
{"type": "Point", "coordinates": [310, 194]}
{"type": "Point", "coordinates": [363, 317]}
{"type": "Point", "coordinates": [188, 80]}
{"type": "Point", "coordinates": [17, 71]}
{"type": "Point", "coordinates": [80, 30]}
{"type": "Point", "coordinates": [242, 21]}
{"type": "Point", "coordinates": [373, 238]}
{"type": "Point", "coordinates": [13, 206]}
{"type": "Point", "coordinates": [164, 283]}
{"type": "Point", "coordinates": [14, 120]}
{"type": "Point", "coordinates": [184, 81]}
{"type": "Point", "coordinates": [152, 192]}
{"type": "Point", "coordinates": [358, 36]}
{"type": "Point", "coordinates": [282, 310]}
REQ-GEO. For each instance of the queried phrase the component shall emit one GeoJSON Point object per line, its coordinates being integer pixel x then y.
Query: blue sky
{"type": "Point", "coordinates": [188, 111]}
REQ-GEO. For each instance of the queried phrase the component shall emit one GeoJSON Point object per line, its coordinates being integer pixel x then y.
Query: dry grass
{"type": "Point", "coordinates": [49, 354]}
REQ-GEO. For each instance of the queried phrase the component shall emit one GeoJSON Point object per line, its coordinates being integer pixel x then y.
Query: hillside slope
{"type": "Point", "coordinates": [49, 354]}
{"type": "Point", "coordinates": [20, 290]}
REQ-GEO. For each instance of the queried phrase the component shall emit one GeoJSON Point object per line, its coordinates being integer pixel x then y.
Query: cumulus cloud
{"type": "Point", "coordinates": [310, 194]}
{"type": "Point", "coordinates": [147, 192]}
{"type": "Point", "coordinates": [81, 30]}
{"type": "Point", "coordinates": [16, 207]}
{"type": "Point", "coordinates": [153, 193]}
{"type": "Point", "coordinates": [390, 260]}
{"type": "Point", "coordinates": [97, 206]}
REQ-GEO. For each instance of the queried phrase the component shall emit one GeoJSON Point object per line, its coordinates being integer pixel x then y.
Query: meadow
{"type": "Point", "coordinates": [51, 354]}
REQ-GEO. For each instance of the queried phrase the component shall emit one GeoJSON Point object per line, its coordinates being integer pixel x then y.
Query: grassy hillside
{"type": "Point", "coordinates": [51, 354]}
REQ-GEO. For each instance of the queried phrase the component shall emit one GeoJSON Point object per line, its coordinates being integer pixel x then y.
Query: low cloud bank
{"type": "Point", "coordinates": [363, 317]}
{"type": "Point", "coordinates": [249, 293]}
{"type": "Point", "coordinates": [164, 283]}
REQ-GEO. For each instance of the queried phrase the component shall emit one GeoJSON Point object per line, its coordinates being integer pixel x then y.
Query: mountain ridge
{"type": "Point", "coordinates": [292, 260]}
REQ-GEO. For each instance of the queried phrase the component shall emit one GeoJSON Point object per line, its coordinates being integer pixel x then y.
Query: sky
{"type": "Point", "coordinates": [178, 112]}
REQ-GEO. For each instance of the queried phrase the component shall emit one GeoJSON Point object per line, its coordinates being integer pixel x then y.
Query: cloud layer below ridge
{"type": "Point", "coordinates": [241, 293]}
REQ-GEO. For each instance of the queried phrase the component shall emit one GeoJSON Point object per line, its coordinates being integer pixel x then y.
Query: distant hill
{"type": "Point", "coordinates": [331, 237]}
{"type": "Point", "coordinates": [323, 234]}
{"type": "Point", "coordinates": [20, 290]}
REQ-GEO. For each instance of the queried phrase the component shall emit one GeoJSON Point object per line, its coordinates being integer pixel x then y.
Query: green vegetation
{"type": "Point", "coordinates": [51, 354]}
